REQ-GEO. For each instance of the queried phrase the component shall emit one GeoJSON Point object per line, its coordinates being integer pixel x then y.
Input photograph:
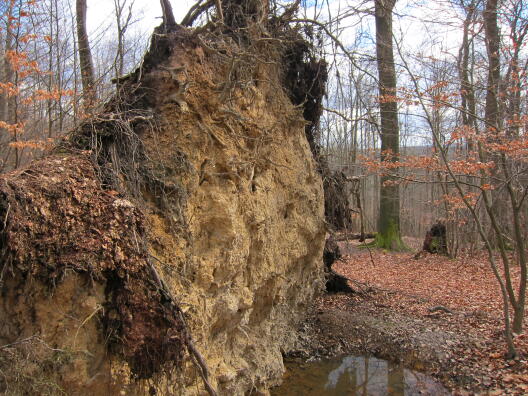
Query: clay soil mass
{"type": "Point", "coordinates": [437, 315]}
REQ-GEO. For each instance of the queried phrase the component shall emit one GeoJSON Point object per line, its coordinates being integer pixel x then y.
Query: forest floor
{"type": "Point", "coordinates": [394, 315]}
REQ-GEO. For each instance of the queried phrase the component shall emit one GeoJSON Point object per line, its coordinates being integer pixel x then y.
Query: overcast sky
{"type": "Point", "coordinates": [146, 12]}
{"type": "Point", "coordinates": [410, 23]}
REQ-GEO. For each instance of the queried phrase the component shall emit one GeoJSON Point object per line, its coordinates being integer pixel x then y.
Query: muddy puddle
{"type": "Point", "coordinates": [353, 375]}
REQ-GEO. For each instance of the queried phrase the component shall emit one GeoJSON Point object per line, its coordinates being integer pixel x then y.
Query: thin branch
{"type": "Point", "coordinates": [195, 12]}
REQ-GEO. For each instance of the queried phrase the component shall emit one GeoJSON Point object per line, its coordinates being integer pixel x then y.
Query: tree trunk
{"type": "Point", "coordinates": [467, 91]}
{"type": "Point", "coordinates": [388, 236]}
{"type": "Point", "coordinates": [85, 56]}
{"type": "Point", "coordinates": [168, 16]}
{"type": "Point", "coordinates": [7, 77]}
{"type": "Point", "coordinates": [492, 45]}
{"type": "Point", "coordinates": [495, 206]}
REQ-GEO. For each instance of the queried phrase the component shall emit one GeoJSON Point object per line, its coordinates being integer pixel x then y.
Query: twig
{"type": "Point", "coordinates": [440, 308]}
{"type": "Point", "coordinates": [6, 215]}
{"type": "Point", "coordinates": [348, 119]}
{"type": "Point", "coordinates": [18, 342]}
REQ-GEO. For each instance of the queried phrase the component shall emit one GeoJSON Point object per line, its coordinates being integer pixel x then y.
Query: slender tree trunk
{"type": "Point", "coordinates": [51, 74]}
{"type": "Point", "coordinates": [518, 314]}
{"type": "Point", "coordinates": [60, 69]}
{"type": "Point", "coordinates": [123, 23]}
{"type": "Point", "coordinates": [13, 101]}
{"type": "Point", "coordinates": [120, 54]}
{"type": "Point", "coordinates": [467, 92]}
{"type": "Point", "coordinates": [6, 77]}
{"type": "Point", "coordinates": [495, 207]}
{"type": "Point", "coordinates": [8, 70]}
{"type": "Point", "coordinates": [493, 47]}
{"type": "Point", "coordinates": [75, 98]}
{"type": "Point", "coordinates": [168, 16]}
{"type": "Point", "coordinates": [518, 32]}
{"type": "Point", "coordinates": [388, 235]}
{"type": "Point", "coordinates": [494, 120]}
{"type": "Point", "coordinates": [513, 87]}
{"type": "Point", "coordinates": [85, 56]}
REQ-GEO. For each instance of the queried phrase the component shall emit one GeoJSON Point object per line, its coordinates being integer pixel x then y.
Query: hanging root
{"type": "Point", "coordinates": [202, 366]}
{"type": "Point", "coordinates": [198, 359]}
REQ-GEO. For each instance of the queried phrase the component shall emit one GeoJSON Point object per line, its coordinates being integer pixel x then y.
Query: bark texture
{"type": "Point", "coordinates": [389, 217]}
{"type": "Point", "coordinates": [85, 55]}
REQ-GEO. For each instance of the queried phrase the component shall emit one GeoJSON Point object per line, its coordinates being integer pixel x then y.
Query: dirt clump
{"type": "Point", "coordinates": [58, 221]}
{"type": "Point", "coordinates": [197, 182]}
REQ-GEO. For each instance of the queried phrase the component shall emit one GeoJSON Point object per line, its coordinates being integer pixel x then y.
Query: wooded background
{"type": "Point", "coordinates": [442, 74]}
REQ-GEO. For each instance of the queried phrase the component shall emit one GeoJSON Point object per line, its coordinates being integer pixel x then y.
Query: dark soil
{"type": "Point", "coordinates": [57, 218]}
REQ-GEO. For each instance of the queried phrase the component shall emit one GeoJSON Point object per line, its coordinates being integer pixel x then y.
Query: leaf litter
{"type": "Point", "coordinates": [439, 315]}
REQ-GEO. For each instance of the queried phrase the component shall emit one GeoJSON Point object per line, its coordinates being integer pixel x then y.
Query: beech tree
{"type": "Point", "coordinates": [388, 235]}
{"type": "Point", "coordinates": [85, 56]}
{"type": "Point", "coordinates": [489, 181]}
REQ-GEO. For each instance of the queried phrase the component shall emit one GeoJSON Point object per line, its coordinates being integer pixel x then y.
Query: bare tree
{"type": "Point", "coordinates": [389, 216]}
{"type": "Point", "coordinates": [85, 56]}
{"type": "Point", "coordinates": [123, 23]}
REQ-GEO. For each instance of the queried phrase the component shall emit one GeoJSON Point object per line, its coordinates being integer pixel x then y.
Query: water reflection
{"type": "Point", "coordinates": [353, 375]}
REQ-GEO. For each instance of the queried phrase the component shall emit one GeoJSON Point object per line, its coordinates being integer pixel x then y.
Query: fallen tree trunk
{"type": "Point", "coordinates": [342, 237]}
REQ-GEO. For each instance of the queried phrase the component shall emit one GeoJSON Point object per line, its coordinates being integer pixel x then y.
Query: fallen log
{"type": "Point", "coordinates": [352, 237]}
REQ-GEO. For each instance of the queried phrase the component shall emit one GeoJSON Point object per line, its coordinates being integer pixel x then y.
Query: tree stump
{"type": "Point", "coordinates": [435, 241]}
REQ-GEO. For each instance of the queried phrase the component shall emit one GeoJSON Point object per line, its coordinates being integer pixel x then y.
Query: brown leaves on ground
{"type": "Point", "coordinates": [394, 284]}
{"type": "Point", "coordinates": [466, 284]}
